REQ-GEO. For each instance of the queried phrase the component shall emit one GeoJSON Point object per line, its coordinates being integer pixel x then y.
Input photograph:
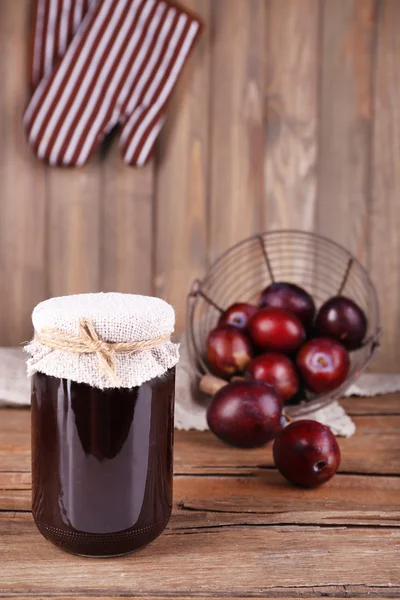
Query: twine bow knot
{"type": "Point", "coordinates": [88, 341]}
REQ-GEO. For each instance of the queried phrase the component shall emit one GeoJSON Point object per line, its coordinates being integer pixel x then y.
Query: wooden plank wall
{"type": "Point", "coordinates": [288, 115]}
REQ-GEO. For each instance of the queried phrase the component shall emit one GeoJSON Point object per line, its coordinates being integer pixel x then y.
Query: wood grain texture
{"type": "Point", "coordinates": [15, 446]}
{"type": "Point", "coordinates": [181, 187]}
{"type": "Point", "coordinates": [217, 554]}
{"type": "Point", "coordinates": [236, 156]}
{"type": "Point", "coordinates": [15, 480]}
{"type": "Point", "coordinates": [267, 499]}
{"type": "Point", "coordinates": [23, 195]}
{"type": "Point", "coordinates": [230, 535]}
{"type": "Point", "coordinates": [387, 404]}
{"type": "Point", "coordinates": [315, 592]}
{"type": "Point", "coordinates": [380, 433]}
{"type": "Point", "coordinates": [373, 592]}
{"type": "Point", "coordinates": [346, 99]}
{"type": "Point", "coordinates": [384, 225]}
{"type": "Point", "coordinates": [263, 499]}
{"type": "Point", "coordinates": [292, 67]}
{"type": "Point", "coordinates": [74, 229]}
{"type": "Point", "coordinates": [126, 229]}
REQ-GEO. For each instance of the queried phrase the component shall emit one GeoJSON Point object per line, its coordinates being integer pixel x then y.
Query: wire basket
{"type": "Point", "coordinates": [321, 266]}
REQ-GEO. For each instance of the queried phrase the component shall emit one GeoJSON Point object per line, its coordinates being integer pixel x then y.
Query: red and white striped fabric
{"type": "Point", "coordinates": [99, 63]}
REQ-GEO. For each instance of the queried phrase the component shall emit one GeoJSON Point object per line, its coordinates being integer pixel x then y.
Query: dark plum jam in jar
{"type": "Point", "coordinates": [102, 463]}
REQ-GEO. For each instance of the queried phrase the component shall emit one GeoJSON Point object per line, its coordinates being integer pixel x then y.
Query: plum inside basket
{"type": "Point", "coordinates": [317, 264]}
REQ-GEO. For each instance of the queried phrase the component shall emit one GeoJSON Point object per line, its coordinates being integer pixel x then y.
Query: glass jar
{"type": "Point", "coordinates": [102, 463]}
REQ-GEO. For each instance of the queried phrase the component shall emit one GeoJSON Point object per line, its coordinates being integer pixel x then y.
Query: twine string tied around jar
{"type": "Point", "coordinates": [88, 341]}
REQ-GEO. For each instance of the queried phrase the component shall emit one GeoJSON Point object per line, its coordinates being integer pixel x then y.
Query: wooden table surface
{"type": "Point", "coordinates": [237, 530]}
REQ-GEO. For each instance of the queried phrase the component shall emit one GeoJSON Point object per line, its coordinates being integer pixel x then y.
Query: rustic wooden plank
{"type": "Point", "coordinates": [126, 225]}
{"type": "Point", "coordinates": [292, 66]}
{"type": "Point", "coordinates": [375, 449]}
{"type": "Point", "coordinates": [15, 491]}
{"type": "Point", "coordinates": [73, 229]}
{"type": "Point", "coordinates": [384, 222]}
{"type": "Point", "coordinates": [182, 164]}
{"type": "Point", "coordinates": [15, 444]}
{"type": "Point", "coordinates": [15, 458]}
{"type": "Point", "coordinates": [199, 452]}
{"type": "Point", "coordinates": [218, 554]}
{"type": "Point", "coordinates": [14, 481]}
{"type": "Point", "coordinates": [268, 499]}
{"type": "Point", "coordinates": [15, 500]}
{"type": "Point", "coordinates": [317, 593]}
{"type": "Point", "coordinates": [22, 187]}
{"type": "Point", "coordinates": [264, 499]}
{"type": "Point", "coordinates": [349, 29]}
{"type": "Point", "coordinates": [386, 404]}
{"type": "Point", "coordinates": [238, 73]}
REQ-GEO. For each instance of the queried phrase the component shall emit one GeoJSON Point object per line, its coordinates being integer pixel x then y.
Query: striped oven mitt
{"type": "Point", "coordinates": [99, 63]}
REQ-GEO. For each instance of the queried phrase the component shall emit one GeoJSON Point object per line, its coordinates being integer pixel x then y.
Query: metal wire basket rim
{"type": "Point", "coordinates": [201, 283]}
{"type": "Point", "coordinates": [323, 280]}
